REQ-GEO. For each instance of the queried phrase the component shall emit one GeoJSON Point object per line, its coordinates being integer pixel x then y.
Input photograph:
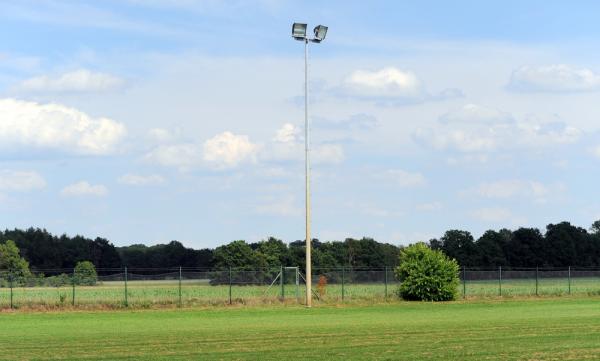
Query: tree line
{"type": "Point", "coordinates": [560, 245]}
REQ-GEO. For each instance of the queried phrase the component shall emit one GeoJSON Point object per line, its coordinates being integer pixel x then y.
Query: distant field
{"type": "Point", "coordinates": [565, 328]}
{"type": "Point", "coordinates": [199, 292]}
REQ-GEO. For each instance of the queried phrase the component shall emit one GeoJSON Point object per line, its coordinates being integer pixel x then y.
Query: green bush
{"type": "Point", "coordinates": [85, 274]}
{"type": "Point", "coordinates": [60, 280]}
{"type": "Point", "coordinates": [426, 274]}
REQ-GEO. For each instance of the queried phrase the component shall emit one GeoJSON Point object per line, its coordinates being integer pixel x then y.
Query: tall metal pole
{"type": "Point", "coordinates": [307, 179]}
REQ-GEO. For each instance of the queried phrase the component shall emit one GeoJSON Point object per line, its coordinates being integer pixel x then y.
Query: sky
{"type": "Point", "coordinates": [159, 120]}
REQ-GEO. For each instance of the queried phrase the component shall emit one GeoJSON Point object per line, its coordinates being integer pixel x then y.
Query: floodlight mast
{"type": "Point", "coordinates": [299, 33]}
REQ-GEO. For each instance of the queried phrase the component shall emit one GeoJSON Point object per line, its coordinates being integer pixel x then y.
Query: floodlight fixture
{"type": "Point", "coordinates": [299, 31]}
{"type": "Point", "coordinates": [320, 33]}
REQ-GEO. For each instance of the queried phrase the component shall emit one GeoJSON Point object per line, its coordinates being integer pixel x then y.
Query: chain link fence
{"type": "Point", "coordinates": [184, 287]}
{"type": "Point", "coordinates": [536, 281]}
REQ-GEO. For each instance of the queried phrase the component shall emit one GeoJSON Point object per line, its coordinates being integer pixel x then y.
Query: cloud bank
{"type": "Point", "coordinates": [78, 81]}
{"type": "Point", "coordinates": [20, 181]}
{"type": "Point", "coordinates": [391, 86]}
{"type": "Point", "coordinates": [474, 128]}
{"type": "Point", "coordinates": [83, 188]}
{"type": "Point", "coordinates": [26, 125]}
{"type": "Point", "coordinates": [554, 79]}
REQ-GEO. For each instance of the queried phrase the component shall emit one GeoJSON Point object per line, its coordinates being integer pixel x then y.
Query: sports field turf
{"type": "Point", "coordinates": [534, 329]}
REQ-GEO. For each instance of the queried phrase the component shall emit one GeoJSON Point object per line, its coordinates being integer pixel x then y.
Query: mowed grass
{"type": "Point", "coordinates": [195, 293]}
{"type": "Point", "coordinates": [563, 328]}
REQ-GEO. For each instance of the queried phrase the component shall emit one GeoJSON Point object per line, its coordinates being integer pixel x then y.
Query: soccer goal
{"type": "Point", "coordinates": [287, 276]}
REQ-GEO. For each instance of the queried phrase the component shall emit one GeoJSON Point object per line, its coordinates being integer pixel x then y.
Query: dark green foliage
{"type": "Point", "coordinates": [426, 274]}
{"type": "Point", "coordinates": [238, 254]}
{"type": "Point", "coordinates": [564, 242]}
{"type": "Point", "coordinates": [173, 254]}
{"type": "Point", "coordinates": [85, 274]}
{"type": "Point", "coordinates": [45, 251]}
{"type": "Point", "coordinates": [459, 245]}
{"type": "Point", "coordinates": [14, 268]}
{"type": "Point", "coordinates": [273, 252]}
{"type": "Point", "coordinates": [491, 248]}
{"type": "Point", "coordinates": [562, 245]}
{"type": "Point", "coordinates": [60, 280]}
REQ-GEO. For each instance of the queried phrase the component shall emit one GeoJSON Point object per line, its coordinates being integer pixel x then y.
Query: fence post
{"type": "Point", "coordinates": [10, 281]}
{"type": "Point", "coordinates": [500, 280]}
{"type": "Point", "coordinates": [386, 282]}
{"type": "Point", "coordinates": [229, 284]}
{"type": "Point", "coordinates": [464, 282]}
{"type": "Point", "coordinates": [126, 299]}
{"type": "Point", "coordinates": [536, 280]}
{"type": "Point", "coordinates": [343, 276]}
{"type": "Point", "coordinates": [73, 282]}
{"type": "Point", "coordinates": [179, 286]}
{"type": "Point", "coordinates": [569, 279]}
{"type": "Point", "coordinates": [297, 285]}
{"type": "Point", "coordinates": [282, 285]}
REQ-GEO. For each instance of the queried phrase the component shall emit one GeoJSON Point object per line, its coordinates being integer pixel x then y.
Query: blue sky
{"type": "Point", "coordinates": [147, 121]}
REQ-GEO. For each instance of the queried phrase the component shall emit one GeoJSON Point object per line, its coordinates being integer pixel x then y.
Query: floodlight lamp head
{"type": "Point", "coordinates": [320, 33]}
{"type": "Point", "coordinates": [299, 31]}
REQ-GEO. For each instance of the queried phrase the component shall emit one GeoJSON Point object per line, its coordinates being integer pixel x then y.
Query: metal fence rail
{"type": "Point", "coordinates": [181, 286]}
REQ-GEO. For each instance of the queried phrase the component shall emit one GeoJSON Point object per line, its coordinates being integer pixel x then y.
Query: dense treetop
{"type": "Point", "coordinates": [560, 245]}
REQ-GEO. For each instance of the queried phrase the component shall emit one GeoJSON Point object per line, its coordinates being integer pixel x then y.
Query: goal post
{"type": "Point", "coordinates": [283, 277]}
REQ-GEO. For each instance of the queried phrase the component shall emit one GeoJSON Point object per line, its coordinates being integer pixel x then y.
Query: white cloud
{"type": "Point", "coordinates": [160, 135]}
{"type": "Point", "coordinates": [141, 180]}
{"type": "Point", "coordinates": [473, 113]}
{"type": "Point", "coordinates": [76, 81]}
{"type": "Point", "coordinates": [429, 207]}
{"type": "Point", "coordinates": [182, 156]}
{"type": "Point", "coordinates": [288, 133]}
{"type": "Point", "coordinates": [596, 151]}
{"type": "Point", "coordinates": [492, 214]}
{"type": "Point", "coordinates": [84, 188]}
{"type": "Point", "coordinates": [358, 122]}
{"type": "Point", "coordinates": [511, 188]}
{"type": "Point", "coordinates": [54, 126]}
{"type": "Point", "coordinates": [227, 150]}
{"type": "Point", "coordinates": [20, 181]}
{"type": "Point", "coordinates": [224, 150]}
{"type": "Point", "coordinates": [327, 154]}
{"type": "Point", "coordinates": [475, 128]}
{"type": "Point", "coordinates": [385, 82]}
{"type": "Point", "coordinates": [285, 206]}
{"type": "Point", "coordinates": [391, 85]}
{"type": "Point", "coordinates": [288, 144]}
{"type": "Point", "coordinates": [405, 179]}
{"type": "Point", "coordinates": [503, 189]}
{"type": "Point", "coordinates": [554, 78]}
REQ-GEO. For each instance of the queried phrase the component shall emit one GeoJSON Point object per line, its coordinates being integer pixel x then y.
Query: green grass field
{"type": "Point", "coordinates": [197, 293]}
{"type": "Point", "coordinates": [565, 328]}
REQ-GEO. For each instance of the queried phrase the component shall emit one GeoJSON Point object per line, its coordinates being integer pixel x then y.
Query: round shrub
{"type": "Point", "coordinates": [426, 274]}
{"type": "Point", "coordinates": [85, 274]}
